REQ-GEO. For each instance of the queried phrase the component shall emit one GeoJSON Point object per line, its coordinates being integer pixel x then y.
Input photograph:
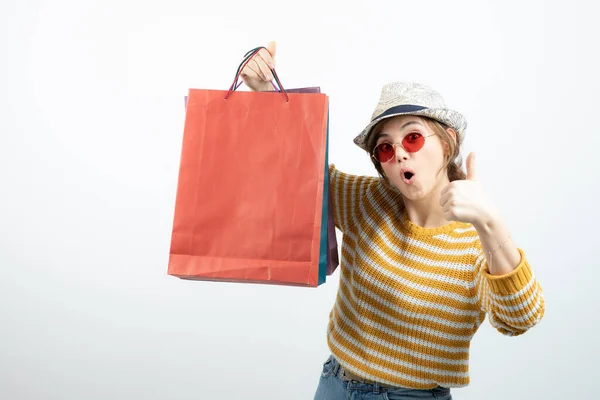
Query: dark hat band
{"type": "Point", "coordinates": [404, 108]}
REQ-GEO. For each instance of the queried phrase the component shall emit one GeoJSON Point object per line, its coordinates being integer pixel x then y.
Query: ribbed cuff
{"type": "Point", "coordinates": [513, 281]}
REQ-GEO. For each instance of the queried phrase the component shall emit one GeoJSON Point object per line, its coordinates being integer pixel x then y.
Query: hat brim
{"type": "Point", "coordinates": [452, 118]}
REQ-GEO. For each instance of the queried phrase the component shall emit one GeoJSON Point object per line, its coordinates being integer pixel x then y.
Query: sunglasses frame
{"type": "Point", "coordinates": [399, 144]}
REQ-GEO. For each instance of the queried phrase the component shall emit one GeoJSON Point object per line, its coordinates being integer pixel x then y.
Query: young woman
{"type": "Point", "coordinates": [425, 254]}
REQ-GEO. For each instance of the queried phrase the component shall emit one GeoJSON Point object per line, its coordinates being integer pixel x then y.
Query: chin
{"type": "Point", "coordinates": [411, 192]}
{"type": "Point", "coordinates": [413, 196]}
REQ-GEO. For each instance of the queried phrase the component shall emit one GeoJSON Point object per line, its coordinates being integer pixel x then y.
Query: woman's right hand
{"type": "Point", "coordinates": [257, 73]}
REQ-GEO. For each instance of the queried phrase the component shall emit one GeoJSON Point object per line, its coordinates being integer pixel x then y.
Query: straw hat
{"type": "Point", "coordinates": [411, 98]}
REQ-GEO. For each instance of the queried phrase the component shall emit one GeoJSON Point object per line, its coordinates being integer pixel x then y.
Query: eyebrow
{"type": "Point", "coordinates": [410, 123]}
{"type": "Point", "coordinates": [383, 134]}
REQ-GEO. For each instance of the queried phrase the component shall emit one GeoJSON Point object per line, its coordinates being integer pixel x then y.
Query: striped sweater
{"type": "Point", "coordinates": [410, 298]}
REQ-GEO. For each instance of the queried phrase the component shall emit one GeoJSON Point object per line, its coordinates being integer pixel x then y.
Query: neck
{"type": "Point", "coordinates": [427, 212]}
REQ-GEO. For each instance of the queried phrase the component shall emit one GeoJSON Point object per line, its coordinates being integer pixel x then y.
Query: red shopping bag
{"type": "Point", "coordinates": [250, 190]}
{"type": "Point", "coordinates": [329, 260]}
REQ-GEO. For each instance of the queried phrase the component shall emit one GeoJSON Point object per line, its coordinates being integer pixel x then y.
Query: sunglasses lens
{"type": "Point", "coordinates": [384, 152]}
{"type": "Point", "coordinates": [413, 142]}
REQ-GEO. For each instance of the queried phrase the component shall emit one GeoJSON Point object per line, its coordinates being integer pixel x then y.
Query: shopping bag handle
{"type": "Point", "coordinates": [247, 58]}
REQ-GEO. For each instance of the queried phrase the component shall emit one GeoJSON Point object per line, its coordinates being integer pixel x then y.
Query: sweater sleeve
{"type": "Point", "coordinates": [514, 302]}
{"type": "Point", "coordinates": [346, 193]}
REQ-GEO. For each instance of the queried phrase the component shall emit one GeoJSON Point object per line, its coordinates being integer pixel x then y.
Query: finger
{"type": "Point", "coordinates": [249, 74]}
{"type": "Point", "coordinates": [252, 64]}
{"type": "Point", "coordinates": [452, 212]}
{"type": "Point", "coordinates": [272, 47]}
{"type": "Point", "coordinates": [471, 171]}
{"type": "Point", "coordinates": [447, 189]}
{"type": "Point", "coordinates": [449, 215]}
{"type": "Point", "coordinates": [268, 55]}
{"type": "Point", "coordinates": [448, 201]}
{"type": "Point", "coordinates": [264, 68]}
{"type": "Point", "coordinates": [444, 199]}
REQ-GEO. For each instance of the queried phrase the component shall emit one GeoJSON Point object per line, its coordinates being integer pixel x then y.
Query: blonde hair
{"type": "Point", "coordinates": [452, 160]}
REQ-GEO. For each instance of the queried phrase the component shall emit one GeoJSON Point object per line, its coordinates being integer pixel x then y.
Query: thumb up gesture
{"type": "Point", "coordinates": [465, 200]}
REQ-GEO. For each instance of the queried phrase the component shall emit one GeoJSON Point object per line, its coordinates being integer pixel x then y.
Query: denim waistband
{"type": "Point", "coordinates": [376, 387]}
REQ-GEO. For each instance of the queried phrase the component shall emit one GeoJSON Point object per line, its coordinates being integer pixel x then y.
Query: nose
{"type": "Point", "coordinates": [401, 154]}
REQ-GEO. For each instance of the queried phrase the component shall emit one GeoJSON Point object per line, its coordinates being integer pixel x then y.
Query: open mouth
{"type": "Point", "coordinates": [408, 176]}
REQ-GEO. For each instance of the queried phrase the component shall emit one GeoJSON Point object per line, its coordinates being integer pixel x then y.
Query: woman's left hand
{"type": "Point", "coordinates": [465, 200]}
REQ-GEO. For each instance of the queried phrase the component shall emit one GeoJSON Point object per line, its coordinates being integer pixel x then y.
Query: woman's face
{"type": "Point", "coordinates": [416, 174]}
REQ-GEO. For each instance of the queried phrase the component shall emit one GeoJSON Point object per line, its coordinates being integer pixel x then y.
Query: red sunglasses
{"type": "Point", "coordinates": [386, 151]}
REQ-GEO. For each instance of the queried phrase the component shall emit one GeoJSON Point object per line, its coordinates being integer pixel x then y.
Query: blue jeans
{"type": "Point", "coordinates": [333, 385]}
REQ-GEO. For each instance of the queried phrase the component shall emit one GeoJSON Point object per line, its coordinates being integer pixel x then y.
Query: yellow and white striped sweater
{"type": "Point", "coordinates": [411, 298]}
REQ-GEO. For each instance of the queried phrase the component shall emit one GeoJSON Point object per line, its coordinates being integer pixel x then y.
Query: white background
{"type": "Point", "coordinates": [91, 123]}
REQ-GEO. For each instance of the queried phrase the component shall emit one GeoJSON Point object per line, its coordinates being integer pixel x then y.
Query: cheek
{"type": "Point", "coordinates": [387, 168]}
{"type": "Point", "coordinates": [435, 156]}
{"type": "Point", "coordinates": [431, 163]}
